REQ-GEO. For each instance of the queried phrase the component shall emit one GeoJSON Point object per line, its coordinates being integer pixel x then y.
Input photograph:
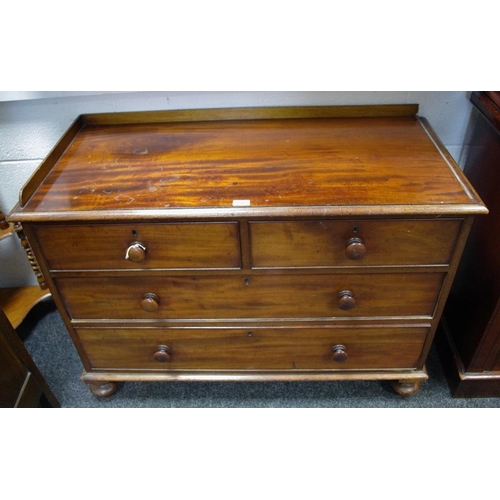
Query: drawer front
{"type": "Point", "coordinates": [141, 246]}
{"type": "Point", "coordinates": [352, 243]}
{"type": "Point", "coordinates": [261, 296]}
{"type": "Point", "coordinates": [253, 349]}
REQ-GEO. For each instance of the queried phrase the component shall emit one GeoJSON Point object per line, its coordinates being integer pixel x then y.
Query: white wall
{"type": "Point", "coordinates": [32, 122]}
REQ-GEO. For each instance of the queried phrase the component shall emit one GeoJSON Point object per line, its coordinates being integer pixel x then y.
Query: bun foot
{"type": "Point", "coordinates": [104, 390]}
{"type": "Point", "coordinates": [406, 388]}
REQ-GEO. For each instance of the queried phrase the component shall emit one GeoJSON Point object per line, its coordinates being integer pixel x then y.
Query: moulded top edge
{"type": "Point", "coordinates": [431, 211]}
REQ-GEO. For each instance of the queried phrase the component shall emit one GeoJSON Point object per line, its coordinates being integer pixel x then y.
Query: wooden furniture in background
{"type": "Point", "coordinates": [21, 383]}
{"type": "Point", "coordinates": [249, 244]}
{"type": "Point", "coordinates": [470, 341]}
{"type": "Point", "coordinates": [4, 226]}
{"type": "Point", "coordinates": [18, 302]}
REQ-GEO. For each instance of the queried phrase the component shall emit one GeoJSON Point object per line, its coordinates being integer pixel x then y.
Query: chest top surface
{"type": "Point", "coordinates": [332, 166]}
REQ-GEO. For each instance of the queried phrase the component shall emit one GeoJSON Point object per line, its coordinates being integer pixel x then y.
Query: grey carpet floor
{"type": "Point", "coordinates": [48, 342]}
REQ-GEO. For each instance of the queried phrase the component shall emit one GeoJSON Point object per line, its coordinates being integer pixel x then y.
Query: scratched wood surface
{"type": "Point", "coordinates": [192, 230]}
{"type": "Point", "coordinates": [263, 163]}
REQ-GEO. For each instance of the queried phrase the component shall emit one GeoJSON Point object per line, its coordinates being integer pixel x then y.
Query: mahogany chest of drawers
{"type": "Point", "coordinates": [249, 244]}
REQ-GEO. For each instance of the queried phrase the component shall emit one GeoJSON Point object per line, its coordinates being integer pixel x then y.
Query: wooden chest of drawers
{"type": "Point", "coordinates": [249, 244]}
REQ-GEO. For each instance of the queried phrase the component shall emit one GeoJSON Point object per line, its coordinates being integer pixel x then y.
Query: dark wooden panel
{"type": "Point", "coordinates": [21, 383]}
{"type": "Point", "coordinates": [469, 339]}
{"type": "Point", "coordinates": [259, 296]}
{"type": "Point", "coordinates": [488, 104]}
{"type": "Point", "coordinates": [323, 242]}
{"type": "Point", "coordinates": [473, 302]}
{"type": "Point", "coordinates": [254, 349]}
{"type": "Point", "coordinates": [213, 245]}
{"type": "Point", "coordinates": [13, 374]}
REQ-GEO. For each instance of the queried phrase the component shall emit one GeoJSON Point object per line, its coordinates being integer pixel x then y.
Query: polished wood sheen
{"type": "Point", "coordinates": [104, 390]}
{"type": "Point", "coordinates": [261, 296]}
{"type": "Point", "coordinates": [162, 354]}
{"type": "Point", "coordinates": [355, 249]}
{"type": "Point", "coordinates": [270, 348]}
{"type": "Point", "coordinates": [141, 246]}
{"type": "Point", "coordinates": [136, 252]}
{"type": "Point", "coordinates": [326, 243]}
{"type": "Point", "coordinates": [340, 353]}
{"type": "Point", "coordinates": [315, 243]}
{"type": "Point", "coordinates": [208, 165]}
{"type": "Point", "coordinates": [150, 302]}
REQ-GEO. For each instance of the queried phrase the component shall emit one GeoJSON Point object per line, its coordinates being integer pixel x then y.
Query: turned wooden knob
{"type": "Point", "coordinates": [162, 354]}
{"type": "Point", "coordinates": [346, 300]}
{"type": "Point", "coordinates": [355, 249]}
{"type": "Point", "coordinates": [150, 302]}
{"type": "Point", "coordinates": [339, 353]}
{"type": "Point", "coordinates": [136, 252]}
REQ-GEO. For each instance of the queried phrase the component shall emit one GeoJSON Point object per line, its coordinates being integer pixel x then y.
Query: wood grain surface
{"type": "Point", "coordinates": [167, 246]}
{"type": "Point", "coordinates": [323, 242]}
{"type": "Point", "coordinates": [253, 349]}
{"type": "Point", "coordinates": [254, 244]}
{"type": "Point", "coordinates": [345, 162]}
{"type": "Point", "coordinates": [260, 296]}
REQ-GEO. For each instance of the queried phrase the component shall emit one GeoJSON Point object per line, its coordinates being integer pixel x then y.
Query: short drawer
{"type": "Point", "coordinates": [258, 296]}
{"type": "Point", "coordinates": [253, 348]}
{"type": "Point", "coordinates": [140, 246]}
{"type": "Point", "coordinates": [330, 243]}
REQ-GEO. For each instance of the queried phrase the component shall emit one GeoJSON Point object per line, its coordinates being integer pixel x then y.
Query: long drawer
{"type": "Point", "coordinates": [253, 349]}
{"type": "Point", "coordinates": [141, 246]}
{"type": "Point", "coordinates": [316, 243]}
{"type": "Point", "coordinates": [258, 296]}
